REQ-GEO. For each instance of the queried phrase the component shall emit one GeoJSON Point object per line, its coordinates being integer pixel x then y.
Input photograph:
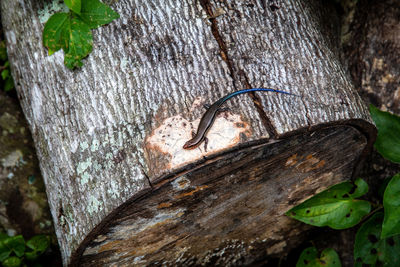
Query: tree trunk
{"type": "Point", "coordinates": [372, 47]}
{"type": "Point", "coordinates": [109, 136]}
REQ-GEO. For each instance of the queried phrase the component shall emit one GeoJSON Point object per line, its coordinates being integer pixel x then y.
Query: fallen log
{"type": "Point", "coordinates": [110, 136]}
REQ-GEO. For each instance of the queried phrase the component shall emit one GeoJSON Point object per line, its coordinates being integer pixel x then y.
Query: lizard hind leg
{"type": "Point", "coordinates": [205, 143]}
{"type": "Point", "coordinates": [207, 106]}
{"type": "Point", "coordinates": [224, 109]}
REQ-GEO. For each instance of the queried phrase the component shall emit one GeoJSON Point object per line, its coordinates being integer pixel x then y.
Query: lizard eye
{"type": "Point", "coordinates": [186, 145]}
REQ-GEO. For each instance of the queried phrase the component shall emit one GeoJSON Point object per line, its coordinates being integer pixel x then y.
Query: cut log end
{"type": "Point", "coordinates": [234, 202]}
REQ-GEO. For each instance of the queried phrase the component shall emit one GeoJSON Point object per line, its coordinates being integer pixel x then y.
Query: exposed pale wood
{"type": "Point", "coordinates": [108, 132]}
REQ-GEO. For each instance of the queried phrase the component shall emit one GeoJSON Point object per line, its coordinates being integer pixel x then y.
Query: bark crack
{"type": "Point", "coordinates": [214, 30]}
{"type": "Point", "coordinates": [273, 134]}
{"type": "Point", "coordinates": [145, 174]}
{"type": "Point", "coordinates": [206, 5]}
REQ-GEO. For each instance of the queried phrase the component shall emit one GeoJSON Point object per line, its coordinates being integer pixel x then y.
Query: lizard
{"type": "Point", "coordinates": [209, 116]}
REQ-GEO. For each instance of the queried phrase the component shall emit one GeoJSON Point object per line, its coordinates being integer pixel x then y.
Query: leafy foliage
{"type": "Point", "coordinates": [378, 239]}
{"type": "Point", "coordinates": [388, 145]}
{"type": "Point", "coordinates": [74, 5]}
{"type": "Point", "coordinates": [95, 13]}
{"type": "Point", "coordinates": [14, 251]}
{"type": "Point", "coordinates": [4, 250]}
{"type": "Point", "coordinates": [5, 68]}
{"type": "Point", "coordinates": [12, 262]}
{"type": "Point", "coordinates": [38, 245]}
{"type": "Point", "coordinates": [71, 31]}
{"type": "Point", "coordinates": [309, 258]}
{"type": "Point", "coordinates": [391, 204]}
{"type": "Point", "coordinates": [388, 140]}
{"type": "Point", "coordinates": [371, 248]}
{"type": "Point", "coordinates": [79, 43]}
{"type": "Point", "coordinates": [336, 207]}
{"type": "Point", "coordinates": [16, 244]}
{"type": "Point", "coordinates": [54, 33]}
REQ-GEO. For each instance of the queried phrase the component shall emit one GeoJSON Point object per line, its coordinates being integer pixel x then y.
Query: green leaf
{"type": "Point", "coordinates": [391, 204]}
{"type": "Point", "coordinates": [5, 74]}
{"type": "Point", "coordinates": [80, 43]}
{"type": "Point", "coordinates": [370, 249]}
{"type": "Point", "coordinates": [4, 250]}
{"type": "Point", "coordinates": [32, 255]}
{"type": "Point", "coordinates": [12, 262]}
{"type": "Point", "coordinates": [95, 13]}
{"type": "Point", "coordinates": [72, 35]}
{"type": "Point", "coordinates": [388, 140]}
{"type": "Point", "coordinates": [9, 84]}
{"type": "Point", "coordinates": [39, 243]}
{"type": "Point", "coordinates": [71, 31]}
{"type": "Point", "coordinates": [16, 244]}
{"type": "Point", "coordinates": [51, 52]}
{"type": "Point", "coordinates": [3, 236]}
{"type": "Point", "coordinates": [383, 185]}
{"type": "Point", "coordinates": [361, 188]}
{"type": "Point", "coordinates": [335, 207]}
{"type": "Point", "coordinates": [74, 5]}
{"type": "Point", "coordinates": [54, 32]}
{"type": "Point", "coordinates": [309, 258]}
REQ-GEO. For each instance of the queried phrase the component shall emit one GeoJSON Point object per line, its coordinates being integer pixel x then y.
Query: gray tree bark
{"type": "Point", "coordinates": [372, 48]}
{"type": "Point", "coordinates": [109, 136]}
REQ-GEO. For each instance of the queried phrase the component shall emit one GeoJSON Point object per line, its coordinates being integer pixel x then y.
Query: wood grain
{"type": "Point", "coordinates": [234, 202]}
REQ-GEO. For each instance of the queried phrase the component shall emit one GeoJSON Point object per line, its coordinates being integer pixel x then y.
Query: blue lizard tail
{"type": "Point", "coordinates": [253, 90]}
